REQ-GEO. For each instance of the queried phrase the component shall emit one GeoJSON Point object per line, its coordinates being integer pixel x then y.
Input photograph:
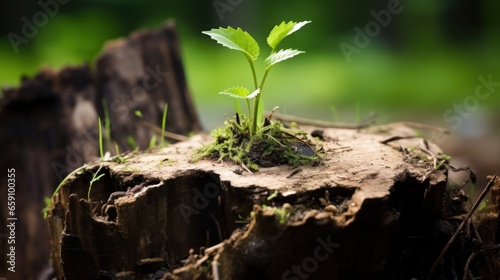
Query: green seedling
{"type": "Point", "coordinates": [152, 141]}
{"type": "Point", "coordinates": [239, 40]}
{"type": "Point", "coordinates": [249, 139]}
{"type": "Point", "coordinates": [283, 213]}
{"type": "Point", "coordinates": [441, 160]}
{"type": "Point", "coordinates": [48, 202]}
{"type": "Point", "coordinates": [95, 178]}
{"type": "Point", "coordinates": [103, 156]}
{"type": "Point", "coordinates": [445, 157]}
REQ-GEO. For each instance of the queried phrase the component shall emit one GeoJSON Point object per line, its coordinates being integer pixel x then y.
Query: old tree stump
{"type": "Point", "coordinates": [368, 211]}
{"type": "Point", "coordinates": [375, 207]}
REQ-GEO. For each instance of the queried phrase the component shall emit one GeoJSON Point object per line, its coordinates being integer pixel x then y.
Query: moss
{"type": "Point", "coordinates": [272, 145]}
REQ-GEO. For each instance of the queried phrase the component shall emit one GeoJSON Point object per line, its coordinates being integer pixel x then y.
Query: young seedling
{"type": "Point", "coordinates": [250, 140]}
{"type": "Point", "coordinates": [237, 39]}
{"type": "Point", "coordinates": [48, 201]}
{"type": "Point", "coordinates": [163, 132]}
{"type": "Point", "coordinates": [95, 178]}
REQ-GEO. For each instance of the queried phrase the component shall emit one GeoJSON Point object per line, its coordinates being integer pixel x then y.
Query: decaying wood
{"type": "Point", "coordinates": [368, 211]}
{"type": "Point", "coordinates": [48, 126]}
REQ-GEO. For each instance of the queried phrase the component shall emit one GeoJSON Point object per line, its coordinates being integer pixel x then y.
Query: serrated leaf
{"type": "Point", "coordinates": [281, 31]}
{"type": "Point", "coordinates": [235, 39]}
{"type": "Point", "coordinates": [280, 56]}
{"type": "Point", "coordinates": [240, 92]}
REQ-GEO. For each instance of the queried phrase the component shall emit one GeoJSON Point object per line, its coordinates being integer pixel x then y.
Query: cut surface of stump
{"type": "Point", "coordinates": [367, 210]}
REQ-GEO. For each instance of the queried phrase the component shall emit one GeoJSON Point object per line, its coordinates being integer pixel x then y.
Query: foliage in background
{"type": "Point", "coordinates": [407, 68]}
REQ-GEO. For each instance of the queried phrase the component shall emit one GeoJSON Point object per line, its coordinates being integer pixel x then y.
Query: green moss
{"type": "Point", "coordinates": [272, 145]}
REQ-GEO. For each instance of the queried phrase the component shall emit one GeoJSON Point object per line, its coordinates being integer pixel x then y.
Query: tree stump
{"type": "Point", "coordinates": [48, 127]}
{"type": "Point", "coordinates": [372, 209]}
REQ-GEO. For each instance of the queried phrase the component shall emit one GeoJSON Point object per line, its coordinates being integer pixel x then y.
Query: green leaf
{"type": "Point", "coordinates": [138, 113]}
{"type": "Point", "coordinates": [280, 56]}
{"type": "Point", "coordinates": [235, 39]}
{"type": "Point", "coordinates": [281, 31]}
{"type": "Point", "coordinates": [240, 92]}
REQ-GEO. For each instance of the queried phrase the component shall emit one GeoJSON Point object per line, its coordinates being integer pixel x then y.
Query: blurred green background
{"type": "Point", "coordinates": [423, 63]}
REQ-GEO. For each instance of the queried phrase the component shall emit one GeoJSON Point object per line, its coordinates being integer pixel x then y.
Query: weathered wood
{"type": "Point", "coordinates": [145, 72]}
{"type": "Point", "coordinates": [48, 126]}
{"type": "Point", "coordinates": [369, 210]}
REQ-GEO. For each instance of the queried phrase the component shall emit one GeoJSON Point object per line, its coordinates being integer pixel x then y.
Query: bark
{"type": "Point", "coordinates": [49, 126]}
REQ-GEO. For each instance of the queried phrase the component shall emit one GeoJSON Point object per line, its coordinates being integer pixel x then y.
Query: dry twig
{"type": "Point", "coordinates": [460, 227]}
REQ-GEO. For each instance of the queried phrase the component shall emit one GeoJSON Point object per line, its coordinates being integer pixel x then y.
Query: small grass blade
{"type": "Point", "coordinates": [107, 123]}
{"type": "Point", "coordinates": [101, 153]}
{"type": "Point", "coordinates": [163, 125]}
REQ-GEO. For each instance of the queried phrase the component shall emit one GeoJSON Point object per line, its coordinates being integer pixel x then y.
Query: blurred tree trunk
{"type": "Point", "coordinates": [48, 127]}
